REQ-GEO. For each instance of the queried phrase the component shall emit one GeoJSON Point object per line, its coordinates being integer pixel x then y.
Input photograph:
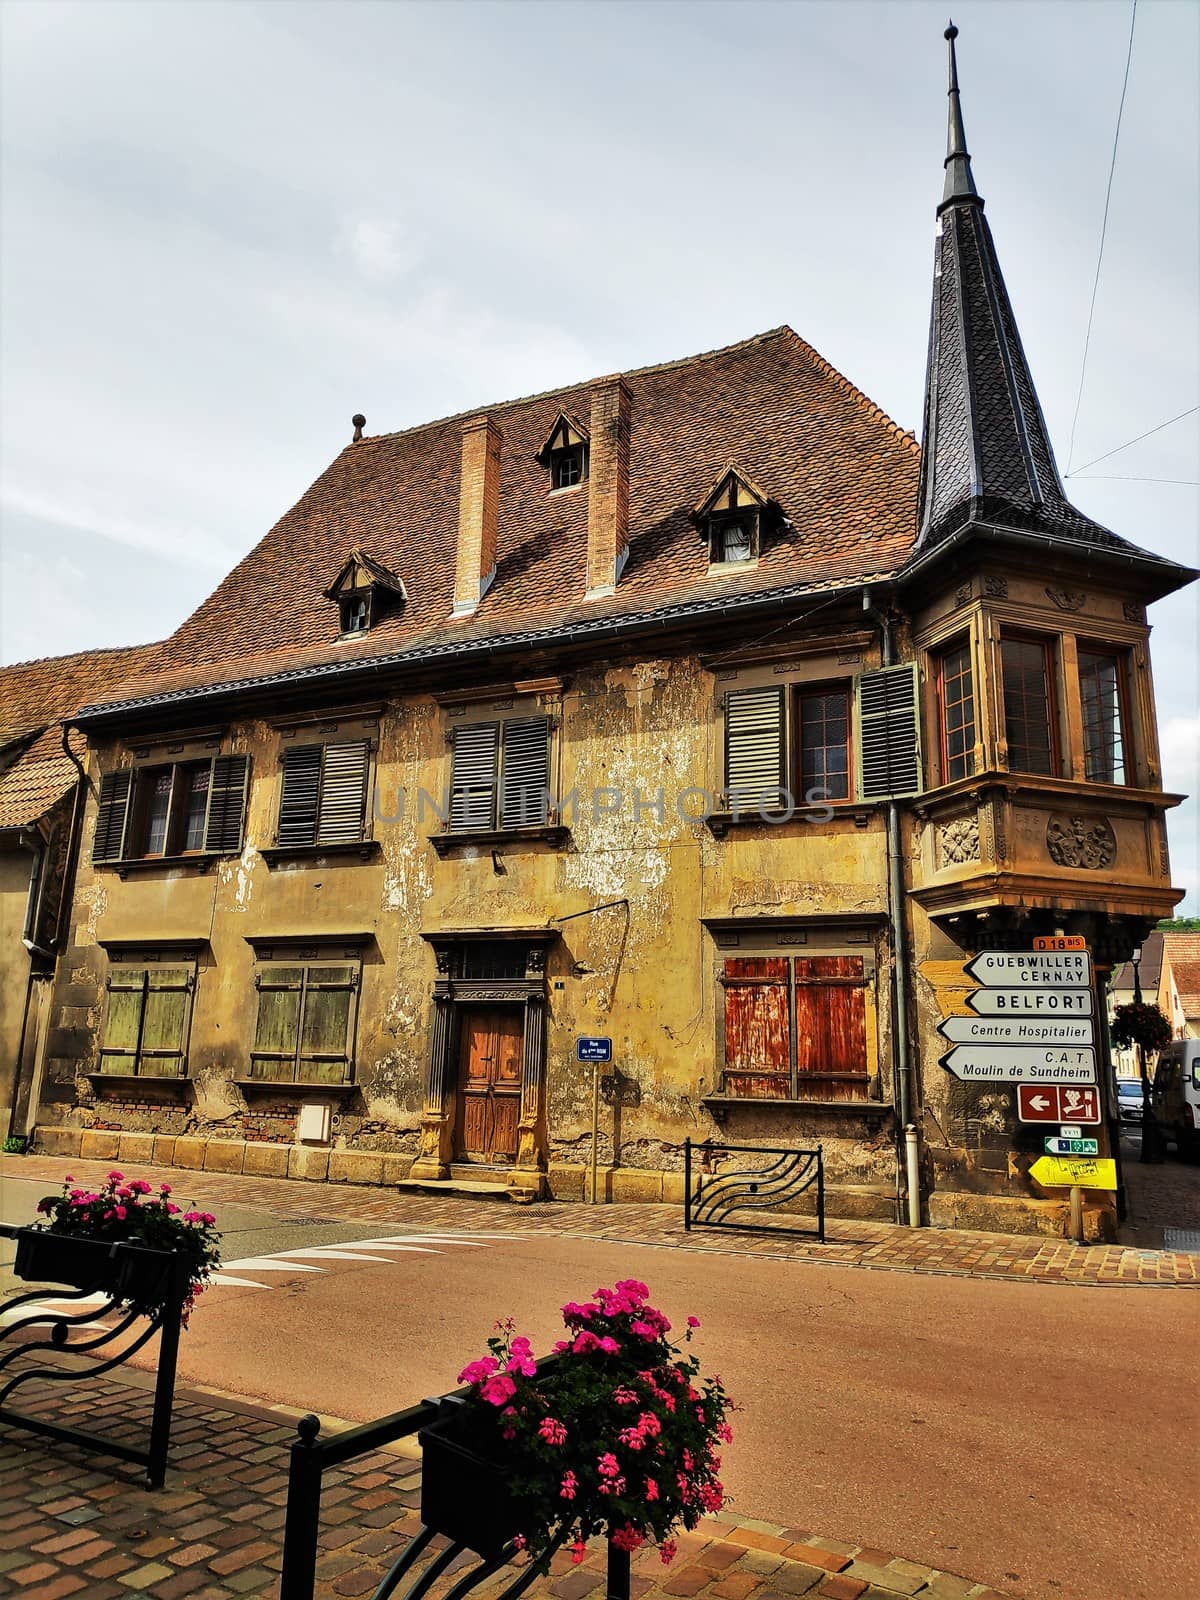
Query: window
{"type": "Point", "coordinates": [1101, 690]}
{"type": "Point", "coordinates": [567, 467]}
{"type": "Point", "coordinates": [730, 519]}
{"type": "Point", "coordinates": [190, 808]}
{"type": "Point", "coordinates": [794, 743]}
{"type": "Point", "coordinates": [306, 1017]}
{"type": "Point", "coordinates": [146, 1021]}
{"type": "Point", "coordinates": [324, 799]}
{"type": "Point", "coordinates": [500, 775]}
{"type": "Point", "coordinates": [1028, 709]}
{"type": "Point", "coordinates": [356, 612]}
{"type": "Point", "coordinates": [956, 711]}
{"type": "Point", "coordinates": [733, 537]}
{"type": "Point", "coordinates": [795, 1027]}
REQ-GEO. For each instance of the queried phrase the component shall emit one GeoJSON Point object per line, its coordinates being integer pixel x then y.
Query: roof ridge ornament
{"type": "Point", "coordinates": [960, 183]}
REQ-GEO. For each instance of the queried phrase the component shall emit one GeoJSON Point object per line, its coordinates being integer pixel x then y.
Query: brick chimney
{"type": "Point", "coordinates": [478, 511]}
{"type": "Point", "coordinates": [608, 485]}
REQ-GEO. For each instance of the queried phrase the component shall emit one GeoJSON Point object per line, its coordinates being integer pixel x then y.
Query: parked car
{"type": "Point", "coordinates": [1129, 1099]}
{"type": "Point", "coordinates": [1177, 1096]}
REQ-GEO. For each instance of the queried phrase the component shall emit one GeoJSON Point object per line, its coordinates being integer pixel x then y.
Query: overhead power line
{"type": "Point", "coordinates": [1112, 167]}
{"type": "Point", "coordinates": [1095, 462]}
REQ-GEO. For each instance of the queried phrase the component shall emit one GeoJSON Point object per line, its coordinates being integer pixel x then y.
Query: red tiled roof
{"type": "Point", "coordinates": [844, 475]}
{"type": "Point", "coordinates": [1183, 952]}
{"type": "Point", "coordinates": [34, 698]}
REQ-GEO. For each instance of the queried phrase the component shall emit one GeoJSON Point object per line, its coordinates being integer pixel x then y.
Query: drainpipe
{"type": "Point", "coordinates": [901, 1055]}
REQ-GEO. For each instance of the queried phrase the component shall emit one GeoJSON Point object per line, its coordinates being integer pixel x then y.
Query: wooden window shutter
{"type": "Point", "coordinates": [524, 793]}
{"type": "Point", "coordinates": [164, 1025]}
{"type": "Point", "coordinates": [301, 794]}
{"type": "Point", "coordinates": [831, 1017]}
{"type": "Point", "coordinates": [889, 759]}
{"type": "Point", "coordinates": [109, 843]}
{"type": "Point", "coordinates": [473, 771]}
{"type": "Point", "coordinates": [757, 1028]}
{"type": "Point", "coordinates": [126, 988]}
{"type": "Point", "coordinates": [226, 803]}
{"type": "Point", "coordinates": [277, 1034]}
{"type": "Point", "coordinates": [329, 995]}
{"type": "Point", "coordinates": [343, 804]}
{"type": "Point", "coordinates": [754, 744]}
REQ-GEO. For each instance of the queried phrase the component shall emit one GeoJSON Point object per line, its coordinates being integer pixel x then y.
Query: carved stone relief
{"type": "Point", "coordinates": [962, 595]}
{"type": "Point", "coordinates": [996, 588]}
{"type": "Point", "coordinates": [1068, 599]}
{"type": "Point", "coordinates": [1080, 842]}
{"type": "Point", "coordinates": [1134, 610]}
{"type": "Point", "coordinates": [958, 841]}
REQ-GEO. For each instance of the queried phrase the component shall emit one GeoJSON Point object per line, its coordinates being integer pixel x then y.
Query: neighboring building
{"type": "Point", "coordinates": [40, 810]}
{"type": "Point", "coordinates": [610, 629]}
{"type": "Point", "coordinates": [1181, 952]}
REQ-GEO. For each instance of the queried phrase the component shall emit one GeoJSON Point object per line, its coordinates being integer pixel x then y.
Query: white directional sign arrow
{"type": "Point", "coordinates": [1020, 969]}
{"type": "Point", "coordinates": [1031, 1002]}
{"type": "Point", "coordinates": [1017, 1030]}
{"type": "Point", "coordinates": [1020, 1063]}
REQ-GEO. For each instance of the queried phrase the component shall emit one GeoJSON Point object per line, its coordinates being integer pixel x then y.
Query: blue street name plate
{"type": "Point", "coordinates": [1072, 1147]}
{"type": "Point", "coordinates": [593, 1049]}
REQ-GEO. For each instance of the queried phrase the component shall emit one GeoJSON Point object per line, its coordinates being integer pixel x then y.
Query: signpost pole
{"type": "Point", "coordinates": [1077, 1214]}
{"type": "Point", "coordinates": [595, 1131]}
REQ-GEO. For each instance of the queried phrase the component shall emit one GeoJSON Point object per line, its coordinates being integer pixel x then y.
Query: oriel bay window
{"type": "Point", "coordinates": [306, 1018]}
{"type": "Point", "coordinates": [1030, 720]}
{"type": "Point", "coordinates": [324, 794]}
{"type": "Point", "coordinates": [956, 711]}
{"type": "Point", "coordinates": [500, 775]}
{"type": "Point", "coordinates": [184, 808]}
{"type": "Point", "coordinates": [795, 1027]}
{"type": "Point", "coordinates": [147, 1014]}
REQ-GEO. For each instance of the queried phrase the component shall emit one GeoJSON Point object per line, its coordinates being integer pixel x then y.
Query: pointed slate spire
{"type": "Point", "coordinates": [986, 453]}
{"type": "Point", "coordinates": [960, 185]}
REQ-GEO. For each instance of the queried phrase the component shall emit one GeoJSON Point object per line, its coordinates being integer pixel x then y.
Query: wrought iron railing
{"type": "Point", "coordinates": [137, 1286]}
{"type": "Point", "coordinates": [312, 1456]}
{"type": "Point", "coordinates": [717, 1194]}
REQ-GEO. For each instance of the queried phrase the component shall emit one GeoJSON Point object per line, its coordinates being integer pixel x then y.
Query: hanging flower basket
{"type": "Point", "coordinates": [466, 1494]}
{"type": "Point", "coordinates": [1138, 1023]}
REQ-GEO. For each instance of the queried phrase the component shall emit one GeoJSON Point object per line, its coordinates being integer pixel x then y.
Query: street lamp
{"type": "Point", "coordinates": [1147, 1151]}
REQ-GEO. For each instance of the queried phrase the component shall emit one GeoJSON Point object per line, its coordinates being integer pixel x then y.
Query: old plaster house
{"type": "Point", "coordinates": [696, 707]}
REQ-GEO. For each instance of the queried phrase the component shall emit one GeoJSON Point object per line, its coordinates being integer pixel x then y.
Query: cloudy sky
{"type": "Point", "coordinates": [227, 226]}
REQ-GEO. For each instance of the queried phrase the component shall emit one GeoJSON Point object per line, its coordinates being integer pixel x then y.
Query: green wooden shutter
{"type": "Point", "coordinates": [754, 745]}
{"type": "Point", "coordinates": [889, 744]}
{"type": "Point", "coordinates": [301, 794]}
{"type": "Point", "coordinates": [164, 1028]}
{"type": "Point", "coordinates": [328, 1016]}
{"type": "Point", "coordinates": [123, 1020]}
{"type": "Point", "coordinates": [473, 777]}
{"type": "Point", "coordinates": [343, 806]}
{"type": "Point", "coordinates": [226, 803]}
{"type": "Point", "coordinates": [524, 791]}
{"type": "Point", "coordinates": [109, 843]}
{"type": "Point", "coordinates": [277, 1035]}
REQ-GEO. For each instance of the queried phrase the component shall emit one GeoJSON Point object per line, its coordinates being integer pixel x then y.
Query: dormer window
{"type": "Point", "coordinates": [565, 452]}
{"type": "Point", "coordinates": [730, 519]}
{"type": "Point", "coordinates": [365, 591]}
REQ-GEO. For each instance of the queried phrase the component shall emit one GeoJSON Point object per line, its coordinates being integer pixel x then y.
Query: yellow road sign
{"type": "Point", "coordinates": [1065, 1172]}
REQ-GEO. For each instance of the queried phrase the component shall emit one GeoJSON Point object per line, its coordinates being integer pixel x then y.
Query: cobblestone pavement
{"type": "Point", "coordinates": [865, 1245]}
{"type": "Point", "coordinates": [1162, 1194]}
{"type": "Point", "coordinates": [79, 1524]}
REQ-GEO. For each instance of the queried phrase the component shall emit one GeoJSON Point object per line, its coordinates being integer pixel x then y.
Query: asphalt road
{"type": "Point", "coordinates": [993, 1429]}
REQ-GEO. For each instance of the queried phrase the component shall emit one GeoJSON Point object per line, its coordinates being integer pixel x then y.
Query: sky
{"type": "Point", "coordinates": [227, 226]}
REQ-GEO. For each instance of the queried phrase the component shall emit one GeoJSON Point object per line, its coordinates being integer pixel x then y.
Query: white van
{"type": "Point", "coordinates": [1177, 1096]}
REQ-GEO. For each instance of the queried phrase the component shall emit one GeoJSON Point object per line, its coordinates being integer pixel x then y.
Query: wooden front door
{"type": "Point", "coordinates": [489, 1081]}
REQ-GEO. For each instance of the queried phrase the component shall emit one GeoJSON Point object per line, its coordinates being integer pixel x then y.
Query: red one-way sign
{"type": "Point", "coordinates": [1058, 1102]}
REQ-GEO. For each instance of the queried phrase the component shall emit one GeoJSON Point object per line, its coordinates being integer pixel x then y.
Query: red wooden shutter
{"type": "Point", "coordinates": [757, 1030]}
{"type": "Point", "coordinates": [831, 1017]}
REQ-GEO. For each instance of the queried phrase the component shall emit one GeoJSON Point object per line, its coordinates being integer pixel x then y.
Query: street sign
{"type": "Point", "coordinates": [1030, 1002]}
{"type": "Point", "coordinates": [1058, 1146]}
{"type": "Point", "coordinates": [1057, 1102]}
{"type": "Point", "coordinates": [1017, 1030]}
{"type": "Point", "coordinates": [1021, 1063]}
{"type": "Point", "coordinates": [1060, 941]}
{"type": "Point", "coordinates": [1069, 1172]}
{"type": "Point", "coordinates": [1019, 969]}
{"type": "Point", "coordinates": [593, 1049]}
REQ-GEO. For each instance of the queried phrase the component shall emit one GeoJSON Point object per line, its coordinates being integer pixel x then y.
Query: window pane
{"type": "Point", "coordinates": [1100, 692]}
{"type": "Point", "coordinates": [958, 714]}
{"type": "Point", "coordinates": [1027, 706]}
{"type": "Point", "coordinates": [195, 801]}
{"type": "Point", "coordinates": [825, 744]}
{"type": "Point", "coordinates": [158, 805]}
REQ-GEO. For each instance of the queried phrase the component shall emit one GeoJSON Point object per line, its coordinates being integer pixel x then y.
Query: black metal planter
{"type": "Point", "coordinates": [465, 1495]}
{"type": "Point", "coordinates": [134, 1275]}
